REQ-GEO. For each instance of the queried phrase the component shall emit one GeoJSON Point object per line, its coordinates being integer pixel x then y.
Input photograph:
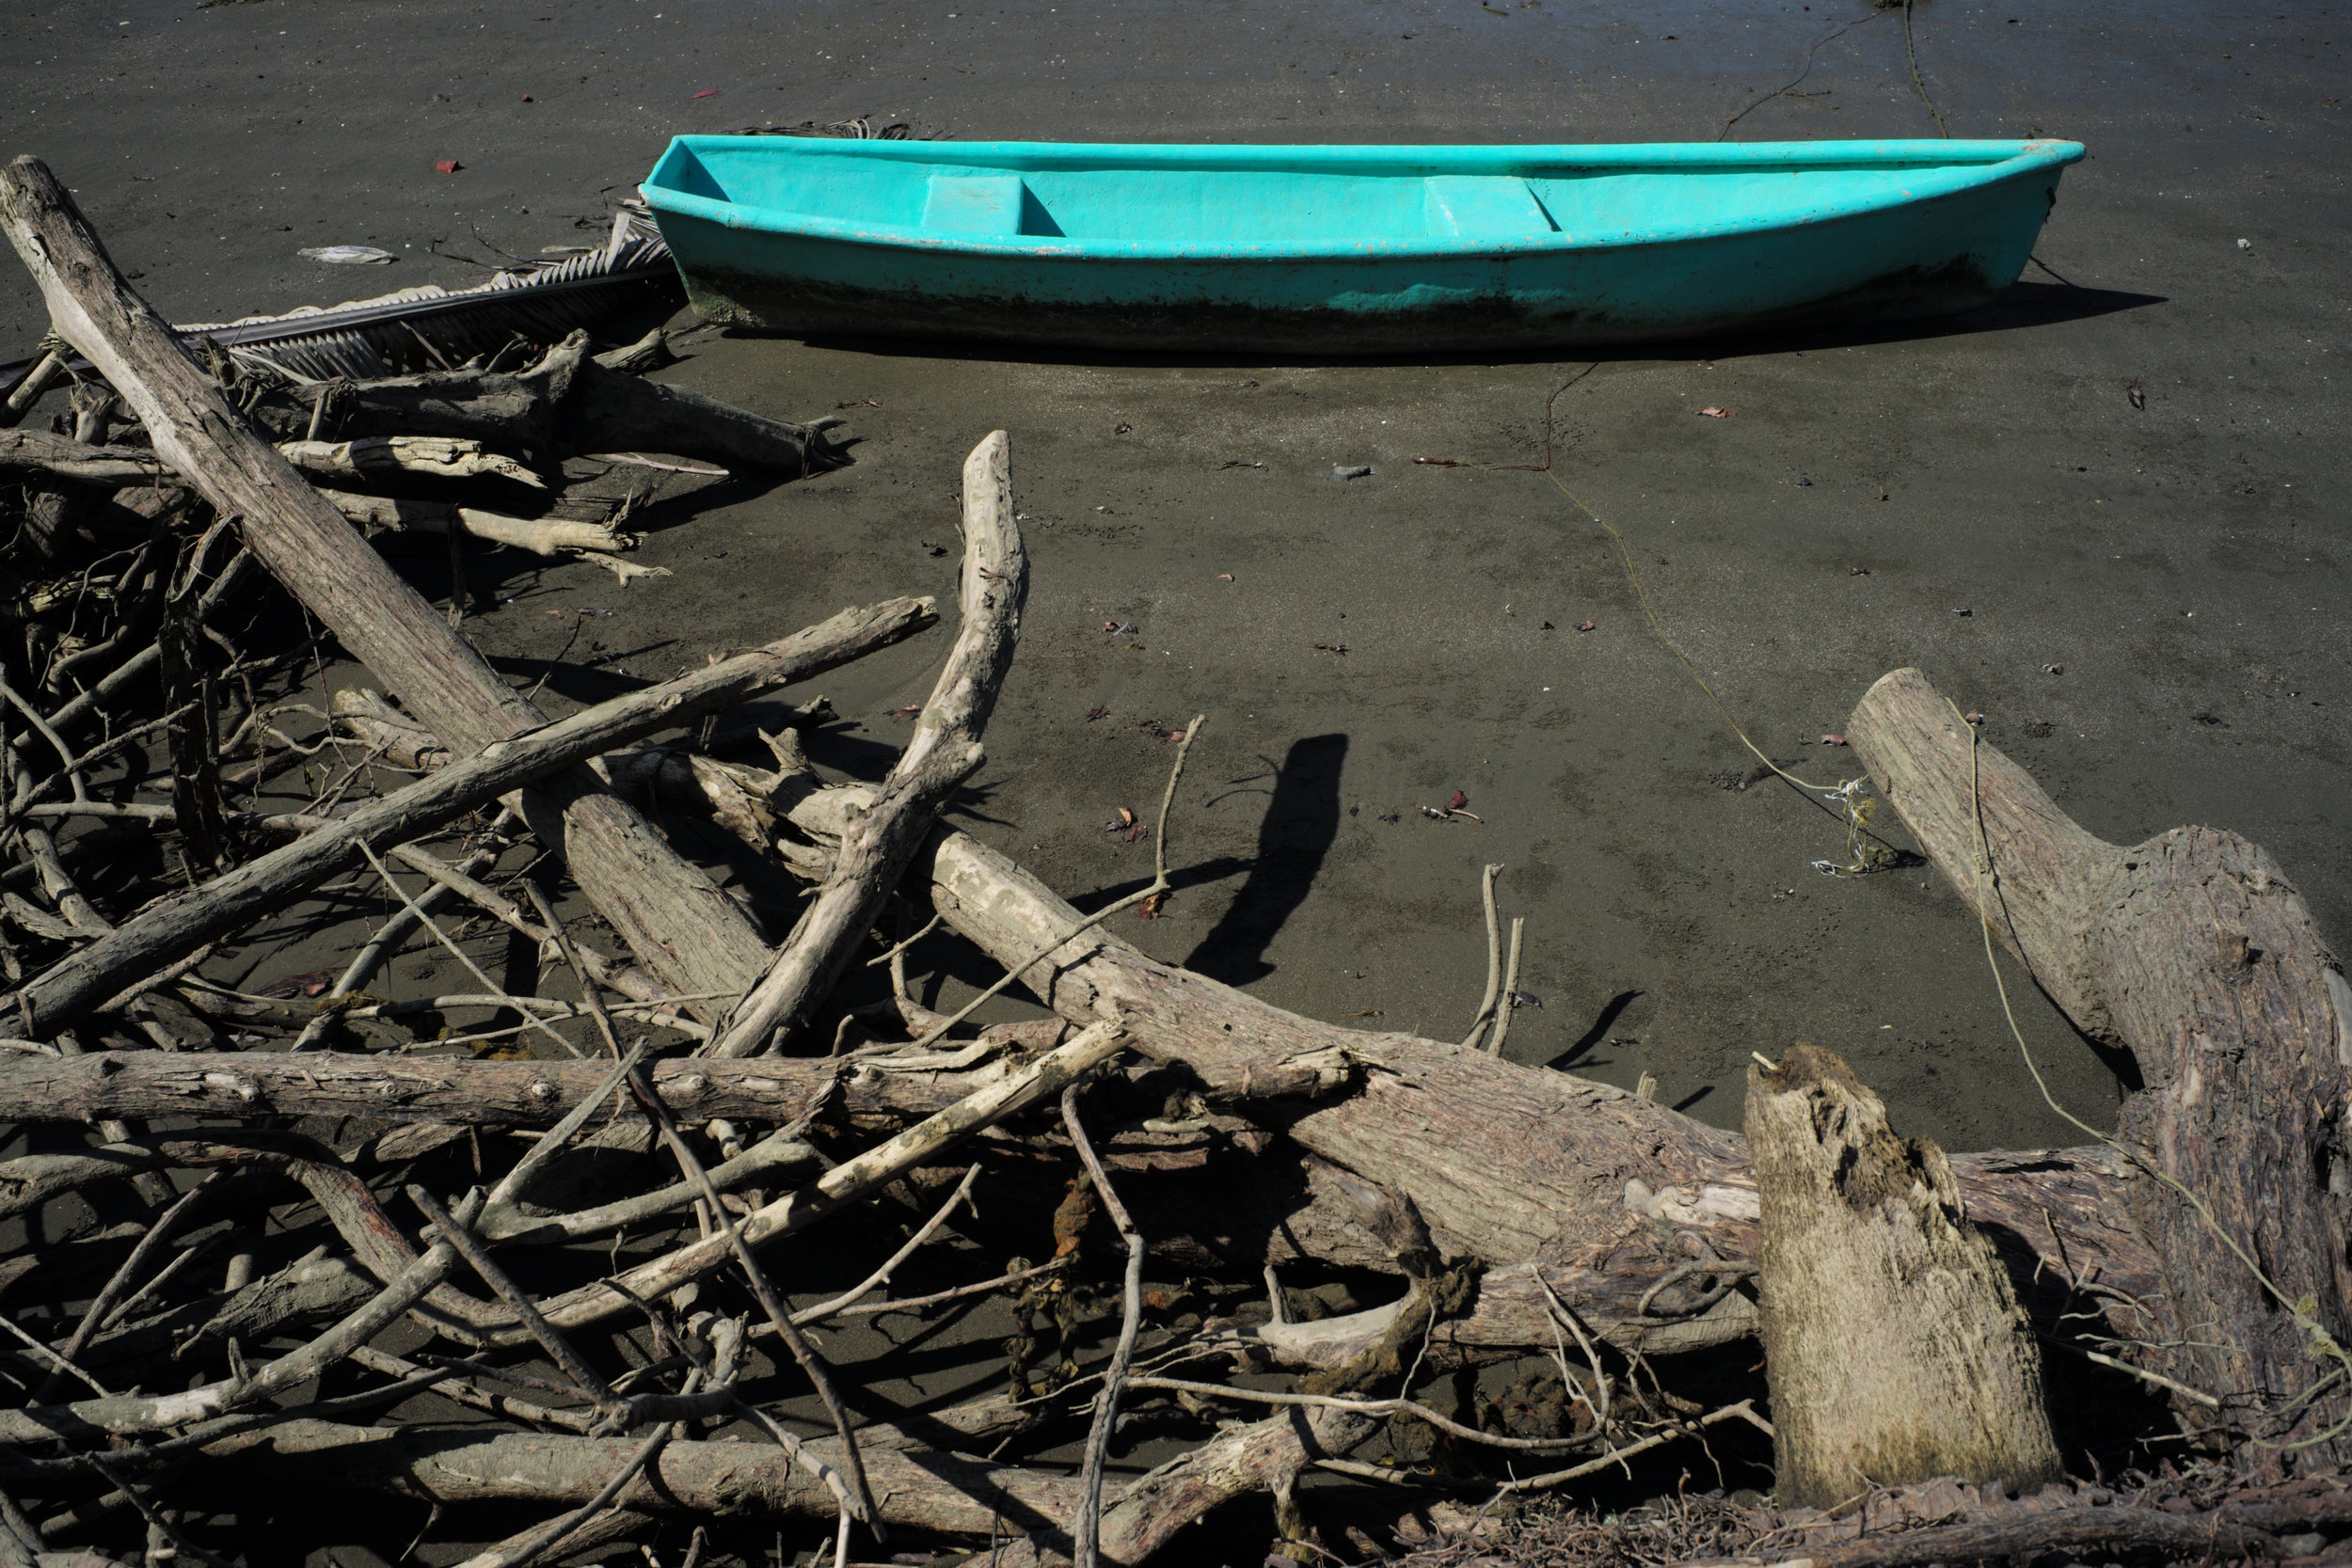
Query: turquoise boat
{"type": "Point", "coordinates": [1344, 250]}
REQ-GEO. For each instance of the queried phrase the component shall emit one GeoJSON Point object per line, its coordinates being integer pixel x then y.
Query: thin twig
{"type": "Point", "coordinates": [460, 954]}
{"type": "Point", "coordinates": [1504, 1004]}
{"type": "Point", "coordinates": [869, 1510]}
{"type": "Point", "coordinates": [1089, 1524]}
{"type": "Point", "coordinates": [1494, 960]}
{"type": "Point", "coordinates": [478, 1258]}
{"type": "Point", "coordinates": [157, 1235]}
{"type": "Point", "coordinates": [882, 1276]}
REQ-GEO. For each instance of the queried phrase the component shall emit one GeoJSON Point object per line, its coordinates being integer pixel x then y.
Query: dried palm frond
{"type": "Point", "coordinates": [430, 327]}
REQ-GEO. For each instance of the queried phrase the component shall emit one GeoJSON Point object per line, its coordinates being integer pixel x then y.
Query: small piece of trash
{"type": "Point", "coordinates": [1832, 740]}
{"type": "Point", "coordinates": [1585, 625]}
{"type": "Point", "coordinates": [1432, 812]}
{"type": "Point", "coordinates": [447, 166]}
{"type": "Point", "coordinates": [1958, 610]}
{"type": "Point", "coordinates": [1526, 999]}
{"type": "Point", "coordinates": [2246, 245]}
{"type": "Point", "coordinates": [1712, 412]}
{"type": "Point", "coordinates": [1359, 471]}
{"type": "Point", "coordinates": [2054, 669]}
{"type": "Point", "coordinates": [1225, 576]}
{"type": "Point", "coordinates": [708, 92]}
{"type": "Point", "coordinates": [349, 255]}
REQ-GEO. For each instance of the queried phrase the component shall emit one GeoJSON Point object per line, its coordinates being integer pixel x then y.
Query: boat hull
{"type": "Point", "coordinates": [1937, 255]}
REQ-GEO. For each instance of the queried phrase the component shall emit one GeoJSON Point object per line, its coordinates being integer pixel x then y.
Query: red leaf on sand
{"type": "Point", "coordinates": [447, 166]}
{"type": "Point", "coordinates": [708, 92]}
{"type": "Point", "coordinates": [1458, 801]}
{"type": "Point", "coordinates": [1832, 740]}
{"type": "Point", "coordinates": [1712, 412]}
{"type": "Point", "coordinates": [1150, 909]}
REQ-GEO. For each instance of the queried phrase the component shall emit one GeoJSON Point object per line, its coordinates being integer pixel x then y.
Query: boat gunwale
{"type": "Point", "coordinates": [1994, 163]}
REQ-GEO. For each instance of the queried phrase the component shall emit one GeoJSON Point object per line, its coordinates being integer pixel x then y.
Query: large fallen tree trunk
{"type": "Point", "coordinates": [2193, 952]}
{"type": "Point", "coordinates": [681, 926]}
{"type": "Point", "coordinates": [1539, 1173]}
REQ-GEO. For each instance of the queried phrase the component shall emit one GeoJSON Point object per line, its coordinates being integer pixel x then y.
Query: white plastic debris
{"type": "Point", "coordinates": [351, 256]}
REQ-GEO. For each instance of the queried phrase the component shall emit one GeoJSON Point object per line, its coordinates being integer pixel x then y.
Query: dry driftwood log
{"type": "Point", "coordinates": [2193, 952]}
{"type": "Point", "coordinates": [681, 926]}
{"type": "Point", "coordinates": [539, 535]}
{"type": "Point", "coordinates": [187, 921]}
{"type": "Point", "coordinates": [257, 1084]}
{"type": "Point", "coordinates": [565, 405]}
{"type": "Point", "coordinates": [939, 756]}
{"type": "Point", "coordinates": [1893, 1341]}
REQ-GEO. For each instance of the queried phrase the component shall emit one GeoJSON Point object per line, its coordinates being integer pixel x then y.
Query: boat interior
{"type": "Point", "coordinates": [1107, 198]}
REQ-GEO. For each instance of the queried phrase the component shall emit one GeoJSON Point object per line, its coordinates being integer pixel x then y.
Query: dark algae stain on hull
{"type": "Point", "coordinates": [771, 304]}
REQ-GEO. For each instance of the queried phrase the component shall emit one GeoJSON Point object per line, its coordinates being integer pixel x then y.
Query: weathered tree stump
{"type": "Point", "coordinates": [1895, 1346]}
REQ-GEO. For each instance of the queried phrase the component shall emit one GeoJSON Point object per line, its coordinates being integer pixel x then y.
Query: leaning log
{"type": "Point", "coordinates": [680, 922]}
{"type": "Point", "coordinates": [1892, 1339]}
{"type": "Point", "coordinates": [2194, 953]}
{"type": "Point", "coordinates": [178, 925]}
{"type": "Point", "coordinates": [941, 753]}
